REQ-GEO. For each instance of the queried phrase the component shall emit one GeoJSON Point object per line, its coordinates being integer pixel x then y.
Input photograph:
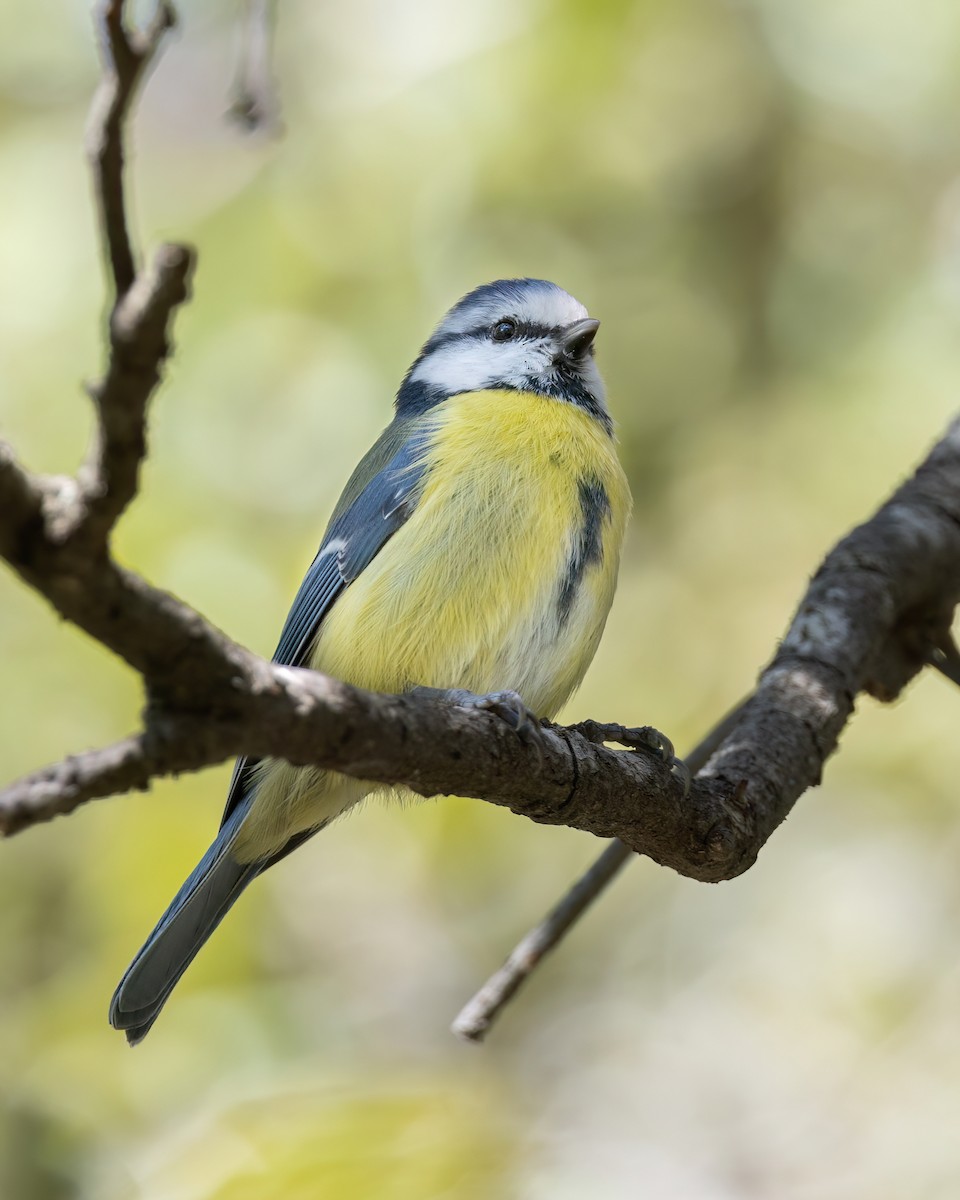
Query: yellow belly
{"type": "Point", "coordinates": [465, 594]}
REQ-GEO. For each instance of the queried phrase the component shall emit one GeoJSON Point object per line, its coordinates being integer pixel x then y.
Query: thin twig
{"type": "Point", "coordinates": [255, 104]}
{"type": "Point", "coordinates": [139, 346]}
{"type": "Point", "coordinates": [144, 300]}
{"type": "Point", "coordinates": [475, 1019]}
{"type": "Point", "coordinates": [477, 1016]}
{"type": "Point", "coordinates": [125, 58]}
{"type": "Point", "coordinates": [61, 787]}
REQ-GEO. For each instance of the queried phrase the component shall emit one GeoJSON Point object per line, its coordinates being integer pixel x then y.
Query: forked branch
{"type": "Point", "coordinates": [126, 56]}
{"type": "Point", "coordinates": [876, 612]}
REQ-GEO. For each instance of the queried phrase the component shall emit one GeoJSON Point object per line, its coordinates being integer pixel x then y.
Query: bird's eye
{"type": "Point", "coordinates": [503, 331]}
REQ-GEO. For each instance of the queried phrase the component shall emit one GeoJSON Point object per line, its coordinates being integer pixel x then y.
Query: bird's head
{"type": "Point", "coordinates": [524, 335]}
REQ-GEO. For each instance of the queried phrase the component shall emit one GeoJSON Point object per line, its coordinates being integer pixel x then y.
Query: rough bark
{"type": "Point", "coordinates": [878, 609]}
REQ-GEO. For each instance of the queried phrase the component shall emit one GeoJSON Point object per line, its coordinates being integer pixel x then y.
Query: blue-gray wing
{"type": "Point", "coordinates": [350, 544]}
{"type": "Point", "coordinates": [353, 539]}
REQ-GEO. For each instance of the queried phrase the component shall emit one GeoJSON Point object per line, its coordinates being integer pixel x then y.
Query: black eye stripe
{"type": "Point", "coordinates": [562, 381]}
{"type": "Point", "coordinates": [525, 331]}
{"type": "Point", "coordinates": [522, 331]}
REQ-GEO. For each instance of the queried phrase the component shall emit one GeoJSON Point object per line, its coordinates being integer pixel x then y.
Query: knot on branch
{"type": "Point", "coordinates": [138, 323]}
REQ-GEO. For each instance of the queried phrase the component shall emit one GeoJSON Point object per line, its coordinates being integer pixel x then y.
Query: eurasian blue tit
{"type": "Point", "coordinates": [474, 550]}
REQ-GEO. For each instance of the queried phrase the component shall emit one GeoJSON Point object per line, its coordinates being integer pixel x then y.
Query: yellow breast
{"type": "Point", "coordinates": [504, 574]}
{"type": "Point", "coordinates": [501, 578]}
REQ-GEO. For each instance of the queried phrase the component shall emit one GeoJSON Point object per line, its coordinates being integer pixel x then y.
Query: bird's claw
{"type": "Point", "coordinates": [681, 773]}
{"type": "Point", "coordinates": [646, 737]}
{"type": "Point", "coordinates": [507, 705]}
{"type": "Point", "coordinates": [641, 737]}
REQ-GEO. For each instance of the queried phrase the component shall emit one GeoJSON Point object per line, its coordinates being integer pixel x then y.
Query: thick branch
{"type": "Point", "coordinates": [878, 609]}
{"type": "Point", "coordinates": [21, 499]}
{"type": "Point", "coordinates": [926, 634]}
{"type": "Point", "coordinates": [305, 717]}
{"type": "Point", "coordinates": [870, 617]}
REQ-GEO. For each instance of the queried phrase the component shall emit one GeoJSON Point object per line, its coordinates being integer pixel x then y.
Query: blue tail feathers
{"type": "Point", "coordinates": [195, 912]}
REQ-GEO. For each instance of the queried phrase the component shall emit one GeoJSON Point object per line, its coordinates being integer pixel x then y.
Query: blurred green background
{"type": "Point", "coordinates": [761, 201]}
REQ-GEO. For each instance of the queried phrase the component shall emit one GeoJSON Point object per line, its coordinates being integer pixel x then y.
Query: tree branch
{"type": "Point", "coordinates": [126, 56]}
{"type": "Point", "coordinates": [138, 347]}
{"type": "Point", "coordinates": [125, 766]}
{"type": "Point", "coordinates": [143, 303]}
{"type": "Point", "coordinates": [879, 603]}
{"type": "Point", "coordinates": [477, 1016]}
{"type": "Point", "coordinates": [21, 499]}
{"type": "Point", "coordinates": [876, 612]}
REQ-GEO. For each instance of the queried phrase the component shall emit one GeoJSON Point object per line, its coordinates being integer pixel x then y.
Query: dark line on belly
{"type": "Point", "coordinates": [588, 545]}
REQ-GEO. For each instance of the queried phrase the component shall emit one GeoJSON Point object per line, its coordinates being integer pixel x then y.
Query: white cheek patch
{"type": "Point", "coordinates": [590, 374]}
{"type": "Point", "coordinates": [471, 366]}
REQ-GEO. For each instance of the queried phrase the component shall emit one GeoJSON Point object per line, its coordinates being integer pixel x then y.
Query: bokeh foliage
{"type": "Point", "coordinates": [760, 199]}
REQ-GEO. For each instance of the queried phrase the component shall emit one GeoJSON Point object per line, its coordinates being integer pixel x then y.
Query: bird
{"type": "Point", "coordinates": [473, 555]}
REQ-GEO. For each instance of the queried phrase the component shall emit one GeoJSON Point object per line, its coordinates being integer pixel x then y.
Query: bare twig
{"type": "Point", "coordinates": [255, 104]}
{"type": "Point", "coordinates": [879, 607]}
{"type": "Point", "coordinates": [62, 786]}
{"type": "Point", "coordinates": [125, 58]}
{"type": "Point", "coordinates": [477, 1016]}
{"type": "Point", "coordinates": [143, 303]}
{"type": "Point", "coordinates": [139, 346]}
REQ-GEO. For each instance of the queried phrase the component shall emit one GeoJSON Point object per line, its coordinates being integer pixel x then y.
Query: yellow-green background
{"type": "Point", "coordinates": [761, 201]}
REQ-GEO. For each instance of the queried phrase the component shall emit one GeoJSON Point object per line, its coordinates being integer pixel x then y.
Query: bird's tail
{"type": "Point", "coordinates": [195, 912]}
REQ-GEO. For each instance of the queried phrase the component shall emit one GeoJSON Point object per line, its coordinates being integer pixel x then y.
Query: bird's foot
{"type": "Point", "coordinates": [507, 705]}
{"type": "Point", "coordinates": [641, 737]}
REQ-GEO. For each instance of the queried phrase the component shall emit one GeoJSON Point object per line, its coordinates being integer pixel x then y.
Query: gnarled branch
{"type": "Point", "coordinates": [875, 610]}
{"type": "Point", "coordinates": [875, 613]}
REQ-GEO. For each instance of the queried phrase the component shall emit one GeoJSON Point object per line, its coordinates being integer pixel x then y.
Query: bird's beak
{"type": "Point", "coordinates": [577, 338]}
